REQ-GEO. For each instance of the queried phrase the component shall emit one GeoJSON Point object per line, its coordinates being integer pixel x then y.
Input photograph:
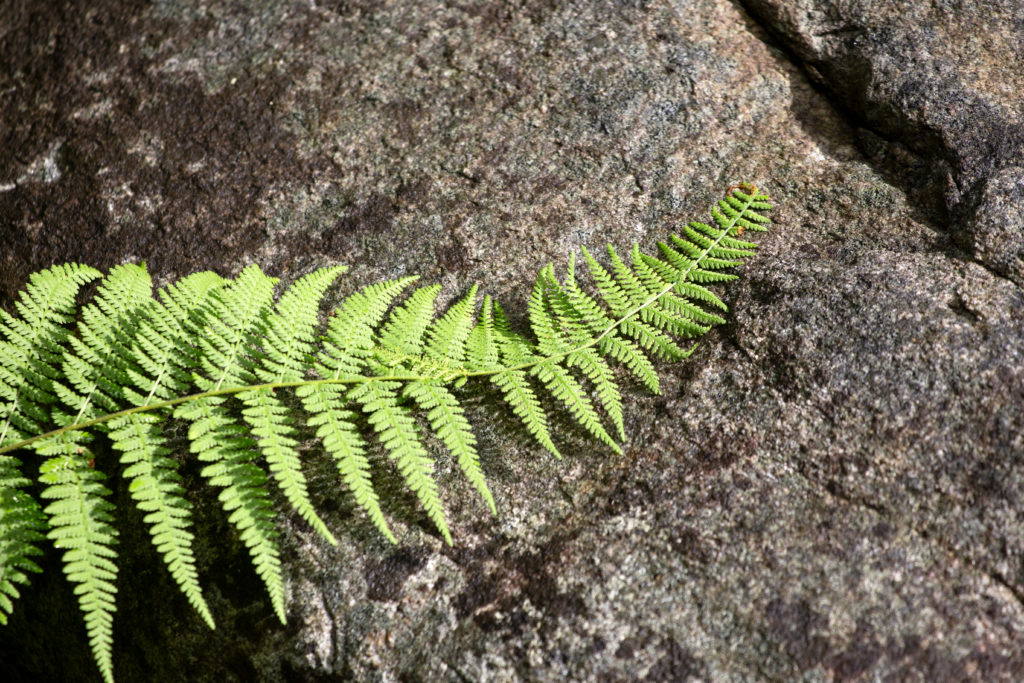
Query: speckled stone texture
{"type": "Point", "coordinates": [941, 80]}
{"type": "Point", "coordinates": [831, 488]}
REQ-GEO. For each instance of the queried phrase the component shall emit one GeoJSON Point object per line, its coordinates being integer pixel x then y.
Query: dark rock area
{"type": "Point", "coordinates": [831, 488]}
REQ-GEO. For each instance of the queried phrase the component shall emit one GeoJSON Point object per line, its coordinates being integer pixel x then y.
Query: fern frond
{"type": "Point", "coordinates": [80, 516]}
{"type": "Point", "coordinates": [348, 344]}
{"type": "Point", "coordinates": [349, 340]}
{"type": "Point", "coordinates": [512, 347]}
{"type": "Point", "coordinates": [680, 271]}
{"type": "Point", "coordinates": [546, 327]}
{"type": "Point", "coordinates": [403, 332]}
{"type": "Point", "coordinates": [81, 524]}
{"type": "Point", "coordinates": [451, 426]}
{"type": "Point", "coordinates": [33, 345]}
{"type": "Point", "coordinates": [335, 427]}
{"type": "Point", "coordinates": [218, 440]}
{"type": "Point", "coordinates": [698, 292]}
{"type": "Point", "coordinates": [291, 330]}
{"type": "Point", "coordinates": [398, 433]}
{"type": "Point", "coordinates": [655, 271]}
{"type": "Point", "coordinates": [21, 526]}
{"type": "Point", "coordinates": [225, 358]}
{"type": "Point", "coordinates": [612, 295]}
{"type": "Point", "coordinates": [163, 361]}
{"type": "Point", "coordinates": [702, 268]}
{"type": "Point", "coordinates": [481, 348]}
{"type": "Point", "coordinates": [664, 313]}
{"type": "Point", "coordinates": [610, 343]}
{"type": "Point", "coordinates": [598, 372]}
{"type": "Point", "coordinates": [268, 419]}
{"type": "Point", "coordinates": [725, 248]}
{"type": "Point", "coordinates": [564, 387]}
{"type": "Point", "coordinates": [579, 328]}
{"type": "Point", "coordinates": [447, 336]}
{"type": "Point", "coordinates": [229, 322]}
{"type": "Point", "coordinates": [93, 365]}
{"type": "Point", "coordinates": [740, 209]}
{"type": "Point", "coordinates": [654, 341]}
{"type": "Point", "coordinates": [576, 328]}
{"type": "Point", "coordinates": [637, 295]}
{"type": "Point", "coordinates": [621, 292]}
{"type": "Point", "coordinates": [706, 275]}
{"type": "Point", "coordinates": [515, 384]}
{"type": "Point", "coordinates": [157, 491]}
{"type": "Point", "coordinates": [285, 354]}
{"type": "Point", "coordinates": [632, 356]}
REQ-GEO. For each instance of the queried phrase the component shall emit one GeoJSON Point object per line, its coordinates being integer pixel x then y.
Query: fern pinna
{"type": "Point", "coordinates": [222, 356]}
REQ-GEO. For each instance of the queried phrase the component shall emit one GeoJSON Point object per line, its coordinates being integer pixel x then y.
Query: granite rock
{"type": "Point", "coordinates": [831, 488]}
{"type": "Point", "coordinates": [942, 80]}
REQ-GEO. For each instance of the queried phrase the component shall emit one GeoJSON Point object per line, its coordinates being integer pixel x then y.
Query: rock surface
{"type": "Point", "coordinates": [941, 81]}
{"type": "Point", "coordinates": [832, 488]}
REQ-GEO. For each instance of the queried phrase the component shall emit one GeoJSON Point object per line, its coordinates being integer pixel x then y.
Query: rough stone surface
{"type": "Point", "coordinates": [942, 80]}
{"type": "Point", "coordinates": [830, 489]}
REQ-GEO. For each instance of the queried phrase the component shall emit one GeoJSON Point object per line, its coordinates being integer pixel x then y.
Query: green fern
{"type": "Point", "coordinates": [224, 358]}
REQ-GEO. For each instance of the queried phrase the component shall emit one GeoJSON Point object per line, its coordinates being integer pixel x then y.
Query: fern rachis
{"type": "Point", "coordinates": [222, 355]}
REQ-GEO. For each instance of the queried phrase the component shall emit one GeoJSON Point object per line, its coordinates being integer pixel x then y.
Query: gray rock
{"type": "Point", "coordinates": [941, 79]}
{"type": "Point", "coordinates": [830, 488]}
